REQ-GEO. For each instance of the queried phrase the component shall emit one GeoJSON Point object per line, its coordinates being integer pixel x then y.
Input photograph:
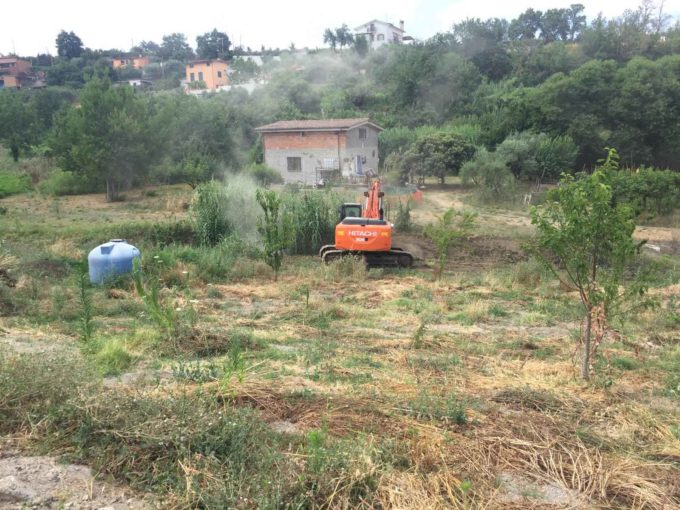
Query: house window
{"type": "Point", "coordinates": [294, 164]}
{"type": "Point", "coordinates": [381, 37]}
{"type": "Point", "coordinates": [362, 133]}
{"type": "Point", "coordinates": [329, 163]}
{"type": "Point", "coordinates": [219, 74]}
{"type": "Point", "coordinates": [191, 77]}
{"type": "Point", "coordinates": [200, 76]}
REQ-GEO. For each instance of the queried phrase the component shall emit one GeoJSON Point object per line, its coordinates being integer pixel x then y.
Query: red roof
{"type": "Point", "coordinates": [318, 125]}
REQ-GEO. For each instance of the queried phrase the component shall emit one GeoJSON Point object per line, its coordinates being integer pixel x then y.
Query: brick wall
{"type": "Point", "coordinates": [310, 140]}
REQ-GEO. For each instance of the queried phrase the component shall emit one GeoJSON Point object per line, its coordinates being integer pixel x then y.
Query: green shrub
{"type": "Point", "coordinates": [264, 175]}
{"type": "Point", "coordinates": [647, 189]}
{"type": "Point", "coordinates": [177, 232]}
{"type": "Point", "coordinates": [67, 183]}
{"type": "Point", "coordinates": [12, 183]}
{"type": "Point", "coordinates": [112, 357]}
{"type": "Point", "coordinates": [489, 173]}
{"type": "Point", "coordinates": [445, 408]}
{"type": "Point", "coordinates": [624, 363]}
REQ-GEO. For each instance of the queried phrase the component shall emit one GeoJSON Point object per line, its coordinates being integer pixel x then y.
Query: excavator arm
{"type": "Point", "coordinates": [373, 207]}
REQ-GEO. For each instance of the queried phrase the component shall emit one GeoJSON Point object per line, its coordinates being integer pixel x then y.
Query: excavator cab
{"type": "Point", "coordinates": [350, 211]}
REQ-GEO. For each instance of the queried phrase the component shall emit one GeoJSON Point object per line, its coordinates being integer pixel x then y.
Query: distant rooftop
{"type": "Point", "coordinates": [394, 27]}
{"type": "Point", "coordinates": [207, 61]}
{"type": "Point", "coordinates": [317, 125]}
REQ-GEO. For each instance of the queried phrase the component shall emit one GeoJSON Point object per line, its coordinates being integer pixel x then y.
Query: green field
{"type": "Point", "coordinates": [336, 386]}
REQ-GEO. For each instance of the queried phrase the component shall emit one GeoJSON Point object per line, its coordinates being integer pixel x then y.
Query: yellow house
{"type": "Point", "coordinates": [136, 62]}
{"type": "Point", "coordinates": [211, 72]}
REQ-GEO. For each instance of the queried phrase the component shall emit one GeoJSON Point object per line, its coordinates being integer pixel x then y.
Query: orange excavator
{"type": "Point", "coordinates": [365, 232]}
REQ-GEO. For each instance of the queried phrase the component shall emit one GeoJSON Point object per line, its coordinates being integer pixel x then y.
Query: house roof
{"type": "Point", "coordinates": [206, 61]}
{"type": "Point", "coordinates": [317, 125]}
{"type": "Point", "coordinates": [379, 21]}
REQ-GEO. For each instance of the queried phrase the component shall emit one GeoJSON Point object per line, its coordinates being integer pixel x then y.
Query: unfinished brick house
{"type": "Point", "coordinates": [309, 151]}
{"type": "Point", "coordinates": [16, 73]}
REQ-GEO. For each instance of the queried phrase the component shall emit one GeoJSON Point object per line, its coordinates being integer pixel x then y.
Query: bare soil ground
{"type": "Point", "coordinates": [43, 482]}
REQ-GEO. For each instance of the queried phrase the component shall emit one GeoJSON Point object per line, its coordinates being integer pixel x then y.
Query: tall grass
{"type": "Point", "coordinates": [222, 209]}
{"type": "Point", "coordinates": [314, 215]}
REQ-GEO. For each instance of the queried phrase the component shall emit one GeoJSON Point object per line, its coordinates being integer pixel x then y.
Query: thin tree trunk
{"type": "Point", "coordinates": [112, 190]}
{"type": "Point", "coordinates": [585, 362]}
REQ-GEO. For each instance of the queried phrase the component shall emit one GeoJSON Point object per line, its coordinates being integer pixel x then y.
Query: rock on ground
{"type": "Point", "coordinates": [44, 483]}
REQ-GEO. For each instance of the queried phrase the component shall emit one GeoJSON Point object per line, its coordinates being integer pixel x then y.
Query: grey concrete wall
{"type": "Point", "coordinates": [314, 158]}
{"type": "Point", "coordinates": [311, 159]}
{"type": "Point", "coordinates": [367, 148]}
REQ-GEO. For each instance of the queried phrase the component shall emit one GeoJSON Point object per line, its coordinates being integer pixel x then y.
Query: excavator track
{"type": "Point", "coordinates": [396, 257]}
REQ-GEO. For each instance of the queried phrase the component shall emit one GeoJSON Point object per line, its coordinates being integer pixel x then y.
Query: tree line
{"type": "Point", "coordinates": [517, 95]}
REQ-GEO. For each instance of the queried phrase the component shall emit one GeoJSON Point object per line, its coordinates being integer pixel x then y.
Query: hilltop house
{"type": "Point", "coordinates": [16, 73]}
{"type": "Point", "coordinates": [379, 33]}
{"type": "Point", "coordinates": [211, 72]}
{"type": "Point", "coordinates": [308, 151]}
{"type": "Point", "coordinates": [135, 62]}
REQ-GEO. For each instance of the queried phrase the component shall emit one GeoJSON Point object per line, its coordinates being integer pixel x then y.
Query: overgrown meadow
{"type": "Point", "coordinates": [202, 383]}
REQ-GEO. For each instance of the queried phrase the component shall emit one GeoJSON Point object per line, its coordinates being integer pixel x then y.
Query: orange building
{"type": "Point", "coordinates": [15, 73]}
{"type": "Point", "coordinates": [211, 72]}
{"type": "Point", "coordinates": [136, 62]}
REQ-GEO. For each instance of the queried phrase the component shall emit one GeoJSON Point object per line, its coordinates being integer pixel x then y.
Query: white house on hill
{"type": "Point", "coordinates": [379, 33]}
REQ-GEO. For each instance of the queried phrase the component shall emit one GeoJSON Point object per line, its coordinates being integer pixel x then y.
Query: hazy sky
{"type": "Point", "coordinates": [29, 27]}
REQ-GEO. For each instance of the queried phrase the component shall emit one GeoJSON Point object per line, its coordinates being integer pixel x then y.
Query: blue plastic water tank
{"type": "Point", "coordinates": [111, 259]}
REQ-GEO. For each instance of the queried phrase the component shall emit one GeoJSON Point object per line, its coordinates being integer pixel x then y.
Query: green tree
{"type": "Point", "coordinates": [330, 38]}
{"type": "Point", "coordinates": [474, 36]}
{"type": "Point", "coordinates": [489, 172]}
{"type": "Point", "coordinates": [526, 25]}
{"type": "Point", "coordinates": [576, 20]}
{"type": "Point", "coordinates": [276, 230]}
{"type": "Point", "coordinates": [108, 139]}
{"type": "Point", "coordinates": [361, 45]}
{"type": "Point", "coordinates": [212, 45]}
{"type": "Point", "coordinates": [451, 227]}
{"type": "Point", "coordinates": [442, 154]}
{"type": "Point", "coordinates": [195, 139]}
{"type": "Point", "coordinates": [18, 122]}
{"type": "Point", "coordinates": [243, 70]}
{"type": "Point", "coordinates": [586, 240]}
{"type": "Point", "coordinates": [344, 36]}
{"type": "Point", "coordinates": [65, 73]}
{"type": "Point", "coordinates": [175, 47]}
{"type": "Point", "coordinates": [69, 45]}
{"type": "Point", "coordinates": [148, 48]}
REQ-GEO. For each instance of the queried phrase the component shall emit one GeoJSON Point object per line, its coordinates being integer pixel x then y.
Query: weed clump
{"type": "Point", "coordinates": [348, 268]}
